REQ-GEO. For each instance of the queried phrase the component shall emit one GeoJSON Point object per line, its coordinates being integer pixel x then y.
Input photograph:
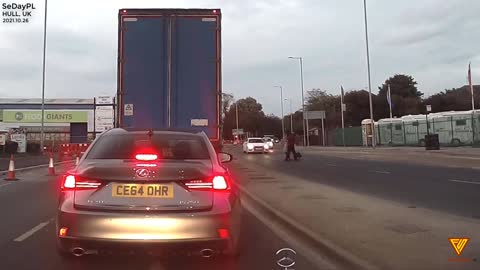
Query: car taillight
{"type": "Point", "coordinates": [218, 182]}
{"type": "Point", "coordinates": [146, 157]}
{"type": "Point", "coordinates": [71, 182]}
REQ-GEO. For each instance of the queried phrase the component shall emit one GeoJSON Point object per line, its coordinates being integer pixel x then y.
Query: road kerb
{"type": "Point", "coordinates": [35, 167]}
{"type": "Point", "coordinates": [334, 252]}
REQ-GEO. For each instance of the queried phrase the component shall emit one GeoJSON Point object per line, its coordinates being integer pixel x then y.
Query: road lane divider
{"type": "Point", "coordinates": [3, 185]}
{"type": "Point", "coordinates": [465, 182]}
{"type": "Point", "coordinates": [32, 231]}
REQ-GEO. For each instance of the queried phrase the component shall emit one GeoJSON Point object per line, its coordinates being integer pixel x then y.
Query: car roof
{"type": "Point", "coordinates": [183, 132]}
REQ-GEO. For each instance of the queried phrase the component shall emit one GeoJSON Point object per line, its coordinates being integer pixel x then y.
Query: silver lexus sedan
{"type": "Point", "coordinates": [149, 192]}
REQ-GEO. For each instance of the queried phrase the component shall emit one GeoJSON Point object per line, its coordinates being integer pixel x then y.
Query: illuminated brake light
{"type": "Point", "coordinates": [70, 182]}
{"type": "Point", "coordinates": [215, 183]}
{"type": "Point", "coordinates": [219, 183]}
{"type": "Point", "coordinates": [146, 157]}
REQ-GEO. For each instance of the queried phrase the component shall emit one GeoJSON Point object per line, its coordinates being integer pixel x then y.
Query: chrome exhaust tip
{"type": "Point", "coordinates": [206, 253]}
{"type": "Point", "coordinates": [78, 251]}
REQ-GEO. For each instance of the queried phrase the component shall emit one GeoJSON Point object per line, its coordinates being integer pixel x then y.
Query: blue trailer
{"type": "Point", "coordinates": [169, 70]}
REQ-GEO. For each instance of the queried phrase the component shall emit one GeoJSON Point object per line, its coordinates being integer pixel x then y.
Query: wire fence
{"type": "Point", "coordinates": [451, 131]}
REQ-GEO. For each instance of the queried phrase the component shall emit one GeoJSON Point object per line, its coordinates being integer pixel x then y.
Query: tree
{"type": "Point", "coordinates": [250, 117]}
{"type": "Point", "coordinates": [456, 99]}
{"type": "Point", "coordinates": [400, 85]}
{"type": "Point", "coordinates": [406, 99]}
{"type": "Point", "coordinates": [320, 100]}
{"type": "Point", "coordinates": [358, 107]}
{"type": "Point", "coordinates": [227, 100]}
{"type": "Point", "coordinates": [271, 124]}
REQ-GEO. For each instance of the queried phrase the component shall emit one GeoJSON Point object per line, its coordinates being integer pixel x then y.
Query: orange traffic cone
{"type": "Point", "coordinates": [51, 169]}
{"type": "Point", "coordinates": [11, 170]}
{"type": "Point", "coordinates": [77, 160]}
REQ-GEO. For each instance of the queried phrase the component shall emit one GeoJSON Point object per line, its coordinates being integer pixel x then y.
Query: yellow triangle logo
{"type": "Point", "coordinates": [458, 244]}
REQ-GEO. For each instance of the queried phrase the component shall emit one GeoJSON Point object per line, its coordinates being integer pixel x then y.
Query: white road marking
{"type": "Point", "coordinates": [3, 185]}
{"type": "Point", "coordinates": [32, 231]}
{"type": "Point", "coordinates": [465, 182]}
{"type": "Point", "coordinates": [381, 172]}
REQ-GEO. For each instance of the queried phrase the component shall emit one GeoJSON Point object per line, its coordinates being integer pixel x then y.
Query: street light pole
{"type": "Point", "coordinates": [236, 115]}
{"type": "Point", "coordinates": [281, 101]}
{"type": "Point", "coordinates": [305, 134]}
{"type": "Point", "coordinates": [43, 77]}
{"type": "Point", "coordinates": [369, 77]}
{"type": "Point", "coordinates": [291, 115]}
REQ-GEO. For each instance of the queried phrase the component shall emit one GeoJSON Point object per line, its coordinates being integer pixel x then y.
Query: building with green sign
{"type": "Point", "coordinates": [65, 120]}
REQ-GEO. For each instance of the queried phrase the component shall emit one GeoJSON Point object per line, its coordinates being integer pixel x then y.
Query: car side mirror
{"type": "Point", "coordinates": [225, 157]}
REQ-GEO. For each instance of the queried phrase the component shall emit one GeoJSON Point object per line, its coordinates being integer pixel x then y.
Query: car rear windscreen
{"type": "Point", "coordinates": [166, 146]}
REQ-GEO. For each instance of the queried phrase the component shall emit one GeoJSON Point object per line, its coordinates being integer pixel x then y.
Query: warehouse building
{"type": "Point", "coordinates": [65, 120]}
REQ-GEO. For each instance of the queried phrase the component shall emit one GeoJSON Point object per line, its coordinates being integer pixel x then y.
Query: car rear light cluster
{"type": "Point", "coordinates": [218, 182]}
{"type": "Point", "coordinates": [71, 182]}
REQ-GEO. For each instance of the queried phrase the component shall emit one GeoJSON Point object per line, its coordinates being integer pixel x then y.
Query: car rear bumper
{"type": "Point", "coordinates": [132, 226]}
{"type": "Point", "coordinates": [210, 229]}
{"type": "Point", "coordinates": [257, 150]}
{"type": "Point", "coordinates": [143, 247]}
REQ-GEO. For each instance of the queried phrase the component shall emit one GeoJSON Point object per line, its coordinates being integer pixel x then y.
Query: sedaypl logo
{"type": "Point", "coordinates": [458, 245]}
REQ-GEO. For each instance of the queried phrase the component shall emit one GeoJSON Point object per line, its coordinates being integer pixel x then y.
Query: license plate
{"type": "Point", "coordinates": [142, 190]}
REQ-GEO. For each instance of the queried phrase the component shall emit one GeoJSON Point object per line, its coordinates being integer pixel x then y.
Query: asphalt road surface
{"type": "Point", "coordinates": [22, 160]}
{"type": "Point", "coordinates": [27, 236]}
{"type": "Point", "coordinates": [452, 190]}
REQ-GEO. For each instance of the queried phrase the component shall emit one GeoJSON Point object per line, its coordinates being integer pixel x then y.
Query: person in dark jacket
{"type": "Point", "coordinates": [290, 147]}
